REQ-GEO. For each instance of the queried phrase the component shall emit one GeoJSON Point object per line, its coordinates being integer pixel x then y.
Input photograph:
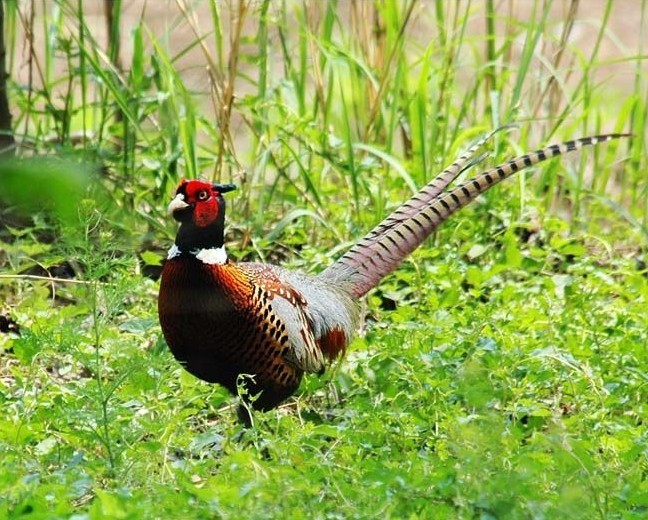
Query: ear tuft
{"type": "Point", "coordinates": [224, 188]}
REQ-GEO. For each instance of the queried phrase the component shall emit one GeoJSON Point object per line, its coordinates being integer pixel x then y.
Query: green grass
{"type": "Point", "coordinates": [501, 372]}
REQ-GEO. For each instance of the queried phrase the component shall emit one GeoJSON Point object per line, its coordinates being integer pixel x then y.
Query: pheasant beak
{"type": "Point", "coordinates": [177, 203]}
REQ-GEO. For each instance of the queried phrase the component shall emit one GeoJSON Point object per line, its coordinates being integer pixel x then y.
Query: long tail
{"type": "Point", "coordinates": [428, 193]}
{"type": "Point", "coordinates": [383, 249]}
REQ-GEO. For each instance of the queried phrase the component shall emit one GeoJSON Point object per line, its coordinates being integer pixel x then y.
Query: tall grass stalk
{"type": "Point", "coordinates": [356, 96]}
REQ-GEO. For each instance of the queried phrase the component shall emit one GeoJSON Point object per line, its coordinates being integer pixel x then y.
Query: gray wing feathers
{"type": "Point", "coordinates": [303, 351]}
{"type": "Point", "coordinates": [328, 307]}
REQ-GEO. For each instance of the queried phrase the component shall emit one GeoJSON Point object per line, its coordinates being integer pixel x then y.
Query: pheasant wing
{"type": "Point", "coordinates": [287, 315]}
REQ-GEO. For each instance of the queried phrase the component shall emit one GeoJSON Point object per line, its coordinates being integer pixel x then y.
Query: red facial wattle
{"type": "Point", "coordinates": [200, 199]}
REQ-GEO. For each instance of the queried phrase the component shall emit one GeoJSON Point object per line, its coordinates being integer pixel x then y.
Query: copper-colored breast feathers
{"type": "Point", "coordinates": [219, 325]}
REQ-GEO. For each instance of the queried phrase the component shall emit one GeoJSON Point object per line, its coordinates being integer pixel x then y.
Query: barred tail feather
{"type": "Point", "coordinates": [385, 247]}
{"type": "Point", "coordinates": [424, 196]}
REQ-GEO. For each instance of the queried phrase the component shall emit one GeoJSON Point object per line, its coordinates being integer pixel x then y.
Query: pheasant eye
{"type": "Point", "coordinates": [203, 195]}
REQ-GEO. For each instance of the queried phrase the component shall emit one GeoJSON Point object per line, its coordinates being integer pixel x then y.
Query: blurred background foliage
{"type": "Point", "coordinates": [299, 102]}
{"type": "Point", "coordinates": [502, 372]}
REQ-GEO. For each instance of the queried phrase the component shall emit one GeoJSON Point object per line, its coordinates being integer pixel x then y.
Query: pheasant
{"type": "Point", "coordinates": [223, 319]}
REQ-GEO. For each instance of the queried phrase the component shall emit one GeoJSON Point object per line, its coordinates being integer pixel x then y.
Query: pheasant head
{"type": "Point", "coordinates": [199, 206]}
